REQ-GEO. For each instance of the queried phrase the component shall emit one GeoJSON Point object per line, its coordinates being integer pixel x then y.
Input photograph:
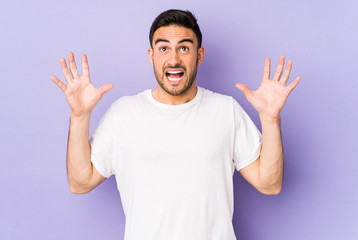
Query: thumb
{"type": "Point", "coordinates": [243, 88]}
{"type": "Point", "coordinates": [105, 88]}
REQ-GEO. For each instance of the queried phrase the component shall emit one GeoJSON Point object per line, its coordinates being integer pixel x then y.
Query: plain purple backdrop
{"type": "Point", "coordinates": [320, 194]}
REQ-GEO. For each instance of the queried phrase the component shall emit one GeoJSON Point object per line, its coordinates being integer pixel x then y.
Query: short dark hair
{"type": "Point", "coordinates": [176, 17]}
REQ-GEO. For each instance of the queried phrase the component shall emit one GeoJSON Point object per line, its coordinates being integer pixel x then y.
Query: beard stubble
{"type": "Point", "coordinates": [176, 92]}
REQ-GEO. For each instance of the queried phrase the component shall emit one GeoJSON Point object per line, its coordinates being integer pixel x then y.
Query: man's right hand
{"type": "Point", "coordinates": [81, 95]}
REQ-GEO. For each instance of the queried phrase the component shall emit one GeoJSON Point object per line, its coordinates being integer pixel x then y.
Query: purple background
{"type": "Point", "coordinates": [320, 195]}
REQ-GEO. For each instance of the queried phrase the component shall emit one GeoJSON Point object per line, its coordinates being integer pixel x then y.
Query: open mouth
{"type": "Point", "coordinates": [174, 75]}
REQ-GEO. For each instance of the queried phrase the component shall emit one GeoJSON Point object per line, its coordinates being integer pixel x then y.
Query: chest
{"type": "Point", "coordinates": [169, 155]}
{"type": "Point", "coordinates": [185, 136]}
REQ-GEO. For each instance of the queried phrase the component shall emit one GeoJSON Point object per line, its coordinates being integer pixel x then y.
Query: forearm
{"type": "Point", "coordinates": [79, 166]}
{"type": "Point", "coordinates": [271, 158]}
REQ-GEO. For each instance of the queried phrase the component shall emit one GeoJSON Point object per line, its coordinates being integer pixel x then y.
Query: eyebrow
{"type": "Point", "coordinates": [160, 40]}
{"type": "Point", "coordinates": [181, 41]}
{"type": "Point", "coordinates": [186, 40]}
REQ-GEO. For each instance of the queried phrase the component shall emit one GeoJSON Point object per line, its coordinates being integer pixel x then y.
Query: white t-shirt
{"type": "Point", "coordinates": [174, 164]}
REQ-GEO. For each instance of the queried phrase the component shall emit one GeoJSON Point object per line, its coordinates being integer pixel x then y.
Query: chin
{"type": "Point", "coordinates": [175, 91]}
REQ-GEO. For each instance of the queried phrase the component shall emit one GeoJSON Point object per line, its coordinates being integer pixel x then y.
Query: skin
{"type": "Point", "coordinates": [266, 173]}
{"type": "Point", "coordinates": [82, 97]}
{"type": "Point", "coordinates": [176, 47]}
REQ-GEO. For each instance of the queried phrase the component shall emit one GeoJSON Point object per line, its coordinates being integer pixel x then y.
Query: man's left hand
{"type": "Point", "coordinates": [270, 98]}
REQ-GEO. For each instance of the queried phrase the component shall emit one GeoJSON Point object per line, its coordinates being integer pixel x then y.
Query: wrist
{"type": "Point", "coordinates": [79, 125]}
{"type": "Point", "coordinates": [265, 119]}
{"type": "Point", "coordinates": [83, 116]}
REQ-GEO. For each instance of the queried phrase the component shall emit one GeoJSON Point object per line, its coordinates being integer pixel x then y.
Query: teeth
{"type": "Point", "coordinates": [174, 72]}
{"type": "Point", "coordinates": [174, 79]}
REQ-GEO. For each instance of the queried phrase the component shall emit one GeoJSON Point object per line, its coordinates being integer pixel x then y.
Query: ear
{"type": "Point", "coordinates": [201, 53]}
{"type": "Point", "coordinates": [150, 55]}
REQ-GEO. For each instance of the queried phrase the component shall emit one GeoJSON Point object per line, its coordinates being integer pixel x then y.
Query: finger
{"type": "Point", "coordinates": [292, 85]}
{"type": "Point", "coordinates": [267, 68]}
{"type": "Point", "coordinates": [286, 74]}
{"type": "Point", "coordinates": [279, 68]}
{"type": "Point", "coordinates": [58, 82]}
{"type": "Point", "coordinates": [85, 67]}
{"type": "Point", "coordinates": [244, 89]}
{"type": "Point", "coordinates": [73, 68]}
{"type": "Point", "coordinates": [105, 88]}
{"type": "Point", "coordinates": [65, 71]}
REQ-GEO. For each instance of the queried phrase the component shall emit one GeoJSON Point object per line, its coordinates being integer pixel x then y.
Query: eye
{"type": "Point", "coordinates": [184, 49]}
{"type": "Point", "coordinates": [162, 49]}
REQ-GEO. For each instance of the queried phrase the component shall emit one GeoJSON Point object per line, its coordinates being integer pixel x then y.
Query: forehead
{"type": "Point", "coordinates": [174, 33]}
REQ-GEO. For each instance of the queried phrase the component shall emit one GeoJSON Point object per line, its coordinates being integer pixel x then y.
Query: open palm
{"type": "Point", "coordinates": [270, 98]}
{"type": "Point", "coordinates": [81, 95]}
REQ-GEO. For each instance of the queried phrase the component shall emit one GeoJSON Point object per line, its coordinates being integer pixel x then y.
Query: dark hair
{"type": "Point", "coordinates": [176, 17]}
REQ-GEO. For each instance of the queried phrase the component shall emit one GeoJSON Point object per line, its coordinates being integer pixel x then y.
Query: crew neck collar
{"type": "Point", "coordinates": [179, 106]}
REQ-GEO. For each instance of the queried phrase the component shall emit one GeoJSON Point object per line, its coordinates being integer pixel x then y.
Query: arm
{"type": "Point", "coordinates": [82, 97]}
{"type": "Point", "coordinates": [266, 173]}
{"type": "Point", "coordinates": [82, 175]}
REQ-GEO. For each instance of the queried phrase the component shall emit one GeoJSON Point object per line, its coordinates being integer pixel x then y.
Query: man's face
{"type": "Point", "coordinates": [175, 57]}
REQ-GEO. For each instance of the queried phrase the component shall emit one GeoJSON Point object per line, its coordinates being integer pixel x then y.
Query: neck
{"type": "Point", "coordinates": [163, 97]}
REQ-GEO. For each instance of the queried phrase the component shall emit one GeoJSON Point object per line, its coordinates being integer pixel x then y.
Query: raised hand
{"type": "Point", "coordinates": [81, 95]}
{"type": "Point", "coordinates": [270, 98]}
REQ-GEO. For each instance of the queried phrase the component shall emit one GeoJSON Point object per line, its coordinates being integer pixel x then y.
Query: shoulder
{"type": "Point", "coordinates": [222, 102]}
{"type": "Point", "coordinates": [125, 105]}
{"type": "Point", "coordinates": [215, 98]}
{"type": "Point", "coordinates": [130, 101]}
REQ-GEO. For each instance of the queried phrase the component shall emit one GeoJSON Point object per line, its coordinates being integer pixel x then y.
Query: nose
{"type": "Point", "coordinates": [173, 59]}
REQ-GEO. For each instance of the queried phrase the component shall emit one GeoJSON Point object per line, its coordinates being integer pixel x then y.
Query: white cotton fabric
{"type": "Point", "coordinates": [174, 164]}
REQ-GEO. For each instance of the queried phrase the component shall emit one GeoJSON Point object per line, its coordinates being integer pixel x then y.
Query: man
{"type": "Point", "coordinates": [174, 149]}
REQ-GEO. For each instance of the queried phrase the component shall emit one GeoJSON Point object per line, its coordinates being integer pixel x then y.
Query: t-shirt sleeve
{"type": "Point", "coordinates": [248, 139]}
{"type": "Point", "coordinates": [102, 144]}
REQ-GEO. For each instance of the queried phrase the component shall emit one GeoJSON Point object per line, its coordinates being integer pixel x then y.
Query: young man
{"type": "Point", "coordinates": [174, 149]}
